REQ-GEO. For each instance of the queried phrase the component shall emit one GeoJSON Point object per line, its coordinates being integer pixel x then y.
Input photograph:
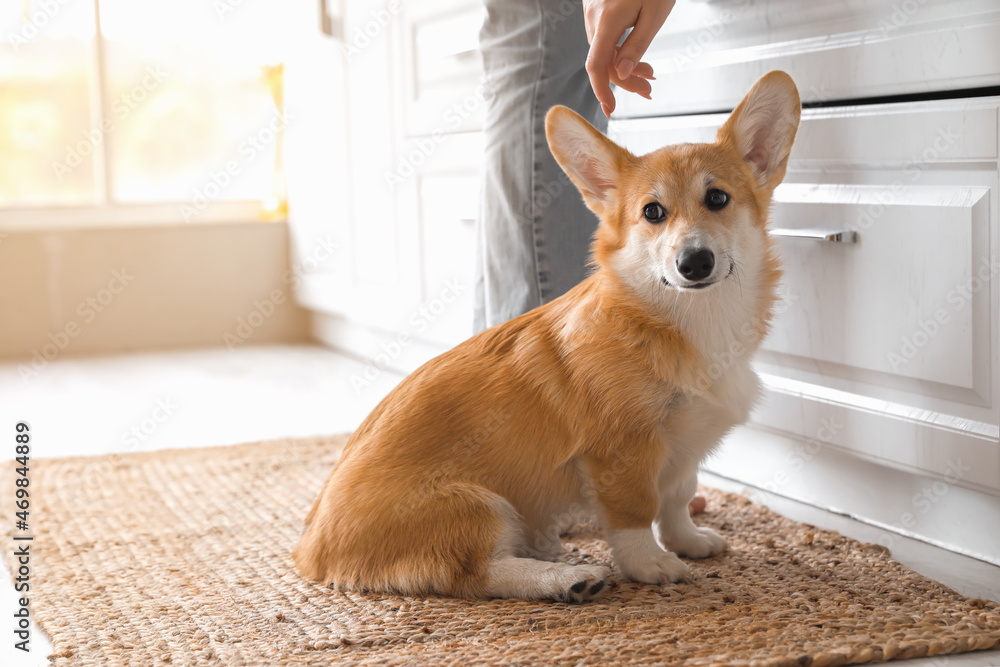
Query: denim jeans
{"type": "Point", "coordinates": [533, 231]}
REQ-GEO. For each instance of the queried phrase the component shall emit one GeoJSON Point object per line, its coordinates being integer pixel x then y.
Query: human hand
{"type": "Point", "coordinates": [607, 63]}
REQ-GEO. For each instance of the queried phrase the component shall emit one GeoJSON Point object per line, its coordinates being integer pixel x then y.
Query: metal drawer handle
{"type": "Point", "coordinates": [827, 235]}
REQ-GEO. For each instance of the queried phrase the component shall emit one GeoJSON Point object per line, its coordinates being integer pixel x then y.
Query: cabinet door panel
{"type": "Point", "coordinates": [442, 67]}
{"type": "Point", "coordinates": [443, 198]}
{"type": "Point", "coordinates": [448, 208]}
{"type": "Point", "coordinates": [893, 301]}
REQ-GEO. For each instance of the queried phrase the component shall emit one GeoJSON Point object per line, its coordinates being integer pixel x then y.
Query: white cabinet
{"type": "Point", "coordinates": [886, 347]}
{"type": "Point", "coordinates": [881, 371]}
{"type": "Point", "coordinates": [411, 105]}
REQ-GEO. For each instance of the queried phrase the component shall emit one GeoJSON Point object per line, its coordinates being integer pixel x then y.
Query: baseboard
{"type": "Point", "coordinates": [899, 502]}
{"type": "Point", "coordinates": [382, 351]}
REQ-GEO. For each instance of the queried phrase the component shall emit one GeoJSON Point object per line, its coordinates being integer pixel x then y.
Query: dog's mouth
{"type": "Point", "coordinates": [699, 285]}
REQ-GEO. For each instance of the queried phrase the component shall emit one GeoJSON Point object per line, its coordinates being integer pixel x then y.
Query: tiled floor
{"type": "Point", "coordinates": [213, 397]}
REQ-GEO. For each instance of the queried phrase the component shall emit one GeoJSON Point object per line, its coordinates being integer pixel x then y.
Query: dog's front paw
{"type": "Point", "coordinates": [699, 543]}
{"type": "Point", "coordinates": [639, 557]}
{"type": "Point", "coordinates": [662, 568]}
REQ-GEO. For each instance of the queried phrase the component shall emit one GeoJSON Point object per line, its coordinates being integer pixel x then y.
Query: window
{"type": "Point", "coordinates": [133, 109]}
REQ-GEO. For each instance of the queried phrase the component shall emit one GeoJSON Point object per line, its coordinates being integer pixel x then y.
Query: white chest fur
{"type": "Point", "coordinates": [701, 419]}
{"type": "Point", "coordinates": [721, 325]}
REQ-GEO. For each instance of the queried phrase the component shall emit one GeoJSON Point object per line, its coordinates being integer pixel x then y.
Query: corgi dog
{"type": "Point", "coordinates": [603, 401]}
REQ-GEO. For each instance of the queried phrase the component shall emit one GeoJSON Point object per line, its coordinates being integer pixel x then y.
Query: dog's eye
{"type": "Point", "coordinates": [716, 199]}
{"type": "Point", "coordinates": [654, 212]}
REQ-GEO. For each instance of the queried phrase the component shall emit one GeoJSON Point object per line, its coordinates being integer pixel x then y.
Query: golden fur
{"type": "Point", "coordinates": [592, 401]}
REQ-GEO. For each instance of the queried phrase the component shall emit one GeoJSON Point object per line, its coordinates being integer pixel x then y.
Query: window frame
{"type": "Point", "coordinates": [107, 212]}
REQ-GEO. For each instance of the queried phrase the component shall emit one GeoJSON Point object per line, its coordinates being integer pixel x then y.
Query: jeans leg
{"type": "Point", "coordinates": [533, 230]}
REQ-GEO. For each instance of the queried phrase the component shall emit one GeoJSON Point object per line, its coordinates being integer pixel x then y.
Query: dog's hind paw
{"type": "Point", "coordinates": [591, 583]}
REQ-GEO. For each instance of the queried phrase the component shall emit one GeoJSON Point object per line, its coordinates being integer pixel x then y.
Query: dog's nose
{"type": "Point", "coordinates": [696, 264]}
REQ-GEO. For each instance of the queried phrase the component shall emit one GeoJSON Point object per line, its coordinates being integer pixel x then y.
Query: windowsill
{"type": "Point", "coordinates": [129, 215]}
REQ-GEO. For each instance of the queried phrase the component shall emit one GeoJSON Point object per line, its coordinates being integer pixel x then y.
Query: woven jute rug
{"type": "Point", "coordinates": [183, 558]}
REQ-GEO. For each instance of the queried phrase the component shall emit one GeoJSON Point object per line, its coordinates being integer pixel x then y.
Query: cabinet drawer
{"type": "Point", "coordinates": [909, 300]}
{"type": "Point", "coordinates": [903, 320]}
{"type": "Point", "coordinates": [904, 299]}
{"type": "Point", "coordinates": [442, 67]}
{"type": "Point", "coordinates": [708, 54]}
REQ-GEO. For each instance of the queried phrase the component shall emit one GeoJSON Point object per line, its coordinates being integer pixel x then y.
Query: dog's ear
{"type": "Point", "coordinates": [591, 160]}
{"type": "Point", "coordinates": [762, 128]}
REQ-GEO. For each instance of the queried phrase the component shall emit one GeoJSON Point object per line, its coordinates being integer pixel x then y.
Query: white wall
{"type": "Point", "coordinates": [115, 289]}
